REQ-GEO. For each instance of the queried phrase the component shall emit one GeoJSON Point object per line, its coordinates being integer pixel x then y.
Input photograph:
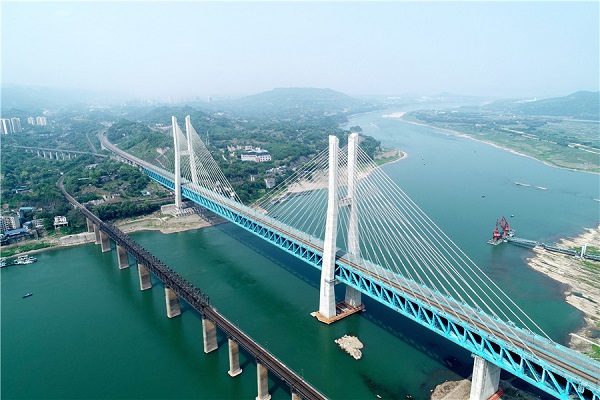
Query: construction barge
{"type": "Point", "coordinates": [504, 233]}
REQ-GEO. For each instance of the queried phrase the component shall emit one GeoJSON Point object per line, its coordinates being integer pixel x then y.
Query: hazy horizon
{"type": "Point", "coordinates": [158, 50]}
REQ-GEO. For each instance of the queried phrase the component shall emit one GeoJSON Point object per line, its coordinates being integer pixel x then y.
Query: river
{"type": "Point", "coordinates": [89, 332]}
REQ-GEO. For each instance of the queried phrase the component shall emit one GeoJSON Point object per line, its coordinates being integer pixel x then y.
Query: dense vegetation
{"type": "Point", "coordinates": [123, 209]}
{"type": "Point", "coordinates": [292, 124]}
{"type": "Point", "coordinates": [289, 123]}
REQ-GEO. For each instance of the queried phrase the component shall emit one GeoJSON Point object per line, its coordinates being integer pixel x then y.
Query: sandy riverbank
{"type": "Point", "coordinates": [398, 114]}
{"type": "Point", "coordinates": [164, 223]}
{"type": "Point", "coordinates": [153, 222]}
{"type": "Point", "coordinates": [393, 153]}
{"type": "Point", "coordinates": [582, 283]}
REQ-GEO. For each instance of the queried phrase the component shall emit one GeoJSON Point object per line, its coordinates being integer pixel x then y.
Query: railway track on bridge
{"type": "Point", "coordinates": [200, 302]}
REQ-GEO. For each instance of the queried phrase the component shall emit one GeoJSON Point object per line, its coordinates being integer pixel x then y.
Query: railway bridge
{"type": "Point", "coordinates": [176, 288]}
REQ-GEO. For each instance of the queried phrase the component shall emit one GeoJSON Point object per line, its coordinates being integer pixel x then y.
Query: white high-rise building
{"type": "Point", "coordinates": [16, 124]}
{"type": "Point", "coordinates": [41, 120]}
{"type": "Point", "coordinates": [6, 126]}
{"type": "Point", "coordinates": [31, 121]}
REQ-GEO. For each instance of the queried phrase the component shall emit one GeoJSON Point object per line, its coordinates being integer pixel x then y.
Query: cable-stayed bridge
{"type": "Point", "coordinates": [340, 213]}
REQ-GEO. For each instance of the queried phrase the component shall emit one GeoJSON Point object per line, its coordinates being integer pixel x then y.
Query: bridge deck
{"type": "Point", "coordinates": [560, 371]}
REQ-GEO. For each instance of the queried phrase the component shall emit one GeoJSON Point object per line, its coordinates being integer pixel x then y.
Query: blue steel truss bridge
{"type": "Point", "coordinates": [341, 214]}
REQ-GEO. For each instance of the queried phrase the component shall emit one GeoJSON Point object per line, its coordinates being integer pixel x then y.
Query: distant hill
{"type": "Point", "coordinates": [581, 105]}
{"type": "Point", "coordinates": [163, 114]}
{"type": "Point", "coordinates": [284, 101]}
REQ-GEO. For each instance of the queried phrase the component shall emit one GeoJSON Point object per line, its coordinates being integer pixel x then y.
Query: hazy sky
{"type": "Point", "coordinates": [158, 49]}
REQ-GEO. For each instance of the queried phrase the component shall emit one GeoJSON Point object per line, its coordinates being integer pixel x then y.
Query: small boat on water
{"type": "Point", "coordinates": [2, 263]}
{"type": "Point", "coordinates": [27, 295]}
{"type": "Point", "coordinates": [22, 260]}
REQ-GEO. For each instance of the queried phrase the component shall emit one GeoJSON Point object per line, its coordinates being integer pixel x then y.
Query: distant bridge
{"type": "Point", "coordinates": [53, 154]}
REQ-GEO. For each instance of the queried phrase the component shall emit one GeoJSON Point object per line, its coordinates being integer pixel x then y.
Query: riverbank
{"type": "Point", "coordinates": [400, 116]}
{"type": "Point", "coordinates": [466, 136]}
{"type": "Point", "coordinates": [164, 223]}
{"type": "Point", "coordinates": [461, 390]}
{"type": "Point", "coordinates": [582, 285]}
{"type": "Point", "coordinates": [153, 222]}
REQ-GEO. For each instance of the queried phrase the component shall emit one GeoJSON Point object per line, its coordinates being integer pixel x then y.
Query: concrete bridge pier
{"type": "Point", "coordinates": [262, 381]}
{"type": "Point", "coordinates": [209, 335]}
{"type": "Point", "coordinates": [104, 241]}
{"type": "Point", "coordinates": [96, 234]}
{"type": "Point", "coordinates": [296, 396]}
{"type": "Point", "coordinates": [145, 279]}
{"type": "Point", "coordinates": [485, 380]}
{"type": "Point", "coordinates": [90, 225]}
{"type": "Point", "coordinates": [56, 153]}
{"type": "Point", "coordinates": [123, 257]}
{"type": "Point", "coordinates": [173, 305]}
{"type": "Point", "coordinates": [234, 358]}
{"type": "Point", "coordinates": [38, 153]}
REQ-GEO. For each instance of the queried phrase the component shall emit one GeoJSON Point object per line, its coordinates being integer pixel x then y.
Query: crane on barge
{"type": "Point", "coordinates": [502, 232]}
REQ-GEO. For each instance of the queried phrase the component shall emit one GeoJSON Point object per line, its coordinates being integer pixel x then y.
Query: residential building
{"type": "Point", "coordinates": [256, 155]}
{"type": "Point", "coordinates": [60, 220]}
{"type": "Point", "coordinates": [270, 183]}
{"type": "Point", "coordinates": [9, 222]}
{"type": "Point", "coordinates": [16, 124]}
{"type": "Point", "coordinates": [40, 121]}
{"type": "Point", "coordinates": [6, 126]}
{"type": "Point", "coordinates": [31, 121]}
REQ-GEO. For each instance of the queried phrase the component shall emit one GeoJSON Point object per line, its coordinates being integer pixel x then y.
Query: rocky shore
{"type": "Point", "coordinates": [582, 282]}
{"type": "Point", "coordinates": [162, 222]}
{"type": "Point", "coordinates": [351, 345]}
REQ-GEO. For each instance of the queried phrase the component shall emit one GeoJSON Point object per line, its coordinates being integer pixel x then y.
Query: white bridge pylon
{"type": "Point", "coordinates": [328, 309]}
{"type": "Point", "coordinates": [194, 166]}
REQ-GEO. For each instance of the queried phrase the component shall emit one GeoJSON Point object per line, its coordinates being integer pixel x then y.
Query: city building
{"type": "Point", "coordinates": [256, 155]}
{"type": "Point", "coordinates": [40, 121]}
{"type": "Point", "coordinates": [31, 121]}
{"type": "Point", "coordinates": [14, 235]}
{"type": "Point", "coordinates": [6, 126]}
{"type": "Point", "coordinates": [60, 220]}
{"type": "Point", "coordinates": [9, 222]}
{"type": "Point", "coordinates": [270, 183]}
{"type": "Point", "coordinates": [16, 124]}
